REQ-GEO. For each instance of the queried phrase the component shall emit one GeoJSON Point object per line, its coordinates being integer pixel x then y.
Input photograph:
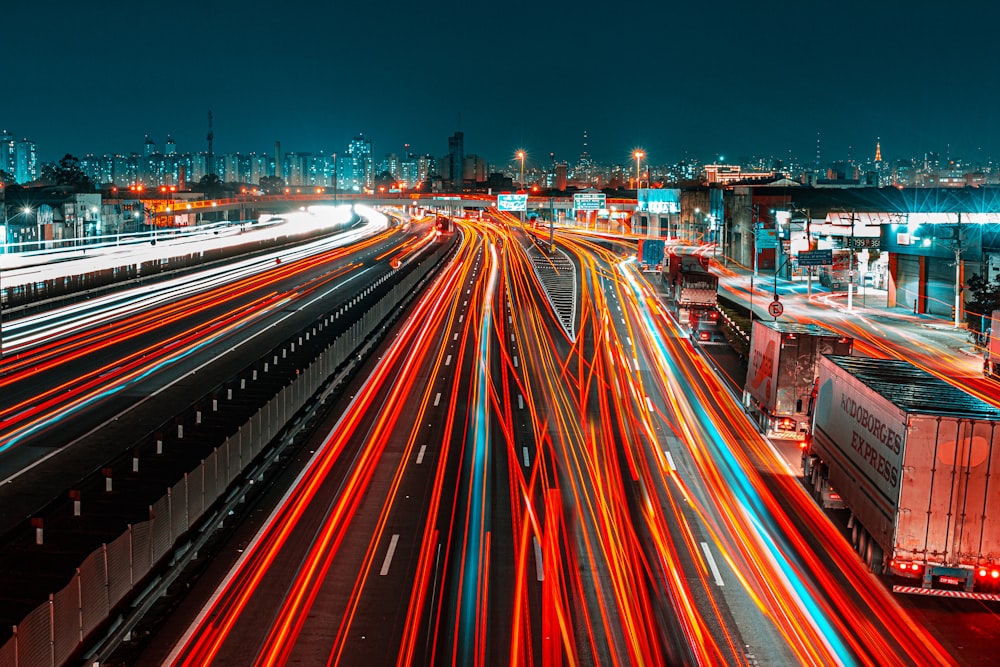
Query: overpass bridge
{"type": "Point", "coordinates": [170, 212]}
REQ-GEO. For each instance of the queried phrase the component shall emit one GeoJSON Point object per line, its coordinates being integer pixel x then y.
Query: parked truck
{"type": "Point", "coordinates": [917, 462]}
{"type": "Point", "coordinates": [781, 373]}
{"type": "Point", "coordinates": [991, 347]}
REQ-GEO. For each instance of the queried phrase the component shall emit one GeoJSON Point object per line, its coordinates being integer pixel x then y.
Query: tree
{"type": "Point", "coordinates": [211, 185]}
{"type": "Point", "coordinates": [383, 182]}
{"type": "Point", "coordinates": [985, 299]}
{"type": "Point", "coordinates": [272, 185]}
{"type": "Point", "coordinates": [68, 172]}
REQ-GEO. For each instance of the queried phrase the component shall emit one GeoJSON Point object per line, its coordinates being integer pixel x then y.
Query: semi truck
{"type": "Point", "coordinates": [917, 462]}
{"type": "Point", "coordinates": [650, 254]}
{"type": "Point", "coordinates": [781, 374]}
{"type": "Point", "coordinates": [693, 295]}
{"type": "Point", "coordinates": [991, 347]}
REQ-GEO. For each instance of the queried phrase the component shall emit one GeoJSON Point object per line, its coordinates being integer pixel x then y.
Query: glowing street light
{"type": "Point", "coordinates": [520, 156]}
{"type": "Point", "coordinates": [638, 155]}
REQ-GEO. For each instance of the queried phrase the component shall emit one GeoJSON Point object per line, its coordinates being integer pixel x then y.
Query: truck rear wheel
{"type": "Point", "coordinates": [873, 556]}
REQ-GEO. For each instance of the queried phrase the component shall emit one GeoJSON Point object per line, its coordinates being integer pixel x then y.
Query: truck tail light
{"type": "Point", "coordinates": [995, 574]}
{"type": "Point", "coordinates": [704, 335]}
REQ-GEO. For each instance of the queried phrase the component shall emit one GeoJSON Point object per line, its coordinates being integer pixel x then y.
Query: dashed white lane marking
{"type": "Point", "coordinates": [540, 571]}
{"type": "Point", "coordinates": [711, 564]}
{"type": "Point", "coordinates": [388, 555]}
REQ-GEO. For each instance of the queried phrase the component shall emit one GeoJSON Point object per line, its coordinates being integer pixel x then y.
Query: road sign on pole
{"type": "Point", "coordinates": [766, 238]}
{"type": "Point", "coordinates": [512, 202]}
{"type": "Point", "coordinates": [590, 201]}
{"type": "Point", "coordinates": [775, 309]}
{"type": "Point", "coordinates": [815, 257]}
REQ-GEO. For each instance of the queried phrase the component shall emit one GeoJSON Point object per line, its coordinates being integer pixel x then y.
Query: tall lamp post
{"type": "Point", "coordinates": [3, 253]}
{"type": "Point", "coordinates": [520, 156]}
{"type": "Point", "coordinates": [638, 155]}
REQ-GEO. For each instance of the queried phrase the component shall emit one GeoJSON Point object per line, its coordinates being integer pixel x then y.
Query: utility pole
{"type": "Point", "coordinates": [850, 270]}
{"type": "Point", "coordinates": [756, 235]}
{"type": "Point", "coordinates": [958, 271]}
{"type": "Point", "coordinates": [809, 247]}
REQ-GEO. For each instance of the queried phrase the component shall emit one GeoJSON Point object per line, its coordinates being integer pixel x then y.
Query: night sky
{"type": "Point", "coordinates": [700, 79]}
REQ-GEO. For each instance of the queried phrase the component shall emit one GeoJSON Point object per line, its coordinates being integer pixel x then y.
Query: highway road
{"type": "Point", "coordinates": [537, 466]}
{"type": "Point", "coordinates": [542, 469]}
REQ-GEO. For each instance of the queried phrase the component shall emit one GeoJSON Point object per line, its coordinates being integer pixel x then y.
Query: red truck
{"type": "Point", "coordinates": [693, 294]}
{"type": "Point", "coordinates": [917, 462]}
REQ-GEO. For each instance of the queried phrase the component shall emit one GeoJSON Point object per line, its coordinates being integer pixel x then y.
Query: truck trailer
{"type": "Point", "coordinates": [991, 347]}
{"type": "Point", "coordinates": [693, 294]}
{"type": "Point", "coordinates": [781, 374]}
{"type": "Point", "coordinates": [917, 462]}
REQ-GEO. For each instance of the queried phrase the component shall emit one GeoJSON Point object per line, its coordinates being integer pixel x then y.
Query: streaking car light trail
{"type": "Point", "coordinates": [473, 586]}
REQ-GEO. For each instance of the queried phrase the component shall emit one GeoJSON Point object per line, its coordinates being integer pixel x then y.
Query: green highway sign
{"type": "Point", "coordinates": [590, 201]}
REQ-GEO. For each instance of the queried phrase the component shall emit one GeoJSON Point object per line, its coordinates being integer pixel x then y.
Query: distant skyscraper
{"type": "Point", "coordinates": [456, 159]}
{"type": "Point", "coordinates": [355, 169]}
{"type": "Point", "coordinates": [8, 149]}
{"type": "Point", "coordinates": [25, 161]}
{"type": "Point", "coordinates": [171, 147]}
{"type": "Point", "coordinates": [878, 150]}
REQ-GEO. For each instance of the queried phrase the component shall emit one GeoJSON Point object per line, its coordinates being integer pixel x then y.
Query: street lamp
{"type": "Point", "coordinates": [638, 155]}
{"type": "Point", "coordinates": [520, 155]}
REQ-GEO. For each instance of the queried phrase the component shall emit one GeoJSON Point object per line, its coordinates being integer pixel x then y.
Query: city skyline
{"type": "Point", "coordinates": [755, 80]}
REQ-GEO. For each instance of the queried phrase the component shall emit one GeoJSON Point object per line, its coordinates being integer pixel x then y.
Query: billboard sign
{"type": "Point", "coordinates": [858, 242]}
{"type": "Point", "coordinates": [512, 202]}
{"type": "Point", "coordinates": [590, 201]}
{"type": "Point", "coordinates": [659, 200]}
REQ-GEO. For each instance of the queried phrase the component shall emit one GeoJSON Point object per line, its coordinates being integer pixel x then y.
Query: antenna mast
{"type": "Point", "coordinates": [211, 151]}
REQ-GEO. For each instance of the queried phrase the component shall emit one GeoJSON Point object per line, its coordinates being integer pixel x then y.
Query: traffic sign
{"type": "Point", "coordinates": [512, 202]}
{"type": "Point", "coordinates": [590, 201]}
{"type": "Point", "coordinates": [766, 238]}
{"type": "Point", "coordinates": [815, 257]}
{"type": "Point", "coordinates": [775, 309]}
